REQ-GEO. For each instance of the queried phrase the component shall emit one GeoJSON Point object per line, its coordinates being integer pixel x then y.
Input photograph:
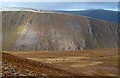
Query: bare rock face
{"type": "Point", "coordinates": [26, 31]}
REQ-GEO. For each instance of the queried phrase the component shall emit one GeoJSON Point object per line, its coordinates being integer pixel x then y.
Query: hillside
{"type": "Point", "coordinates": [107, 15]}
{"type": "Point", "coordinates": [22, 67]}
{"type": "Point", "coordinates": [33, 31]}
{"type": "Point", "coordinates": [95, 63]}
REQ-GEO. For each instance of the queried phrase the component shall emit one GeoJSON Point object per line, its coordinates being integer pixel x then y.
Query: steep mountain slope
{"type": "Point", "coordinates": [99, 14]}
{"type": "Point", "coordinates": [55, 31]}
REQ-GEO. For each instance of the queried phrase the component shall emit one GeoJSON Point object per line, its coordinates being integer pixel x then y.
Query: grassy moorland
{"type": "Point", "coordinates": [97, 62]}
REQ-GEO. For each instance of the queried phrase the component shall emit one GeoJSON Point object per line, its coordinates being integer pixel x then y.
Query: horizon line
{"type": "Point", "coordinates": [61, 9]}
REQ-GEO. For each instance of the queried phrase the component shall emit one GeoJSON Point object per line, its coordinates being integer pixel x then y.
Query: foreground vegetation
{"type": "Point", "coordinates": [98, 62]}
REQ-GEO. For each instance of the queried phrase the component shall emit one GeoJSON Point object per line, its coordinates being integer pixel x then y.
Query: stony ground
{"type": "Point", "coordinates": [11, 70]}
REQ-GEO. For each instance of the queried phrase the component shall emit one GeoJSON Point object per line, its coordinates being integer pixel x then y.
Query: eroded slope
{"type": "Point", "coordinates": [54, 31]}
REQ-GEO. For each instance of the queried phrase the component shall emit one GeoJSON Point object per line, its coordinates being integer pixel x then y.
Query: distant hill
{"type": "Point", "coordinates": [107, 15]}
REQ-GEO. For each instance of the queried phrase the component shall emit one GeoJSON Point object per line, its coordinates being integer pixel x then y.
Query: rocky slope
{"type": "Point", "coordinates": [29, 31]}
{"type": "Point", "coordinates": [22, 67]}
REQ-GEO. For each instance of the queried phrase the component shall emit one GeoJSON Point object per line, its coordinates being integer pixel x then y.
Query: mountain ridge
{"type": "Point", "coordinates": [101, 14]}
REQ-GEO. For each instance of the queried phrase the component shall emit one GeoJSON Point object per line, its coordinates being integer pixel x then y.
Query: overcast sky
{"type": "Point", "coordinates": [67, 6]}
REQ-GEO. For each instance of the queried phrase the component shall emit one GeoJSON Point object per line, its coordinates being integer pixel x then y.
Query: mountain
{"type": "Point", "coordinates": [107, 15]}
{"type": "Point", "coordinates": [46, 30]}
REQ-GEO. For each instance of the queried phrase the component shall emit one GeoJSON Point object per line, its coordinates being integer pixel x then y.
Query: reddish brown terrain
{"type": "Point", "coordinates": [17, 66]}
{"type": "Point", "coordinates": [97, 62]}
{"type": "Point", "coordinates": [0, 63]}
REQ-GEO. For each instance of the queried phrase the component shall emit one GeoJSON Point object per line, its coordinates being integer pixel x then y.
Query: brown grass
{"type": "Point", "coordinates": [98, 62]}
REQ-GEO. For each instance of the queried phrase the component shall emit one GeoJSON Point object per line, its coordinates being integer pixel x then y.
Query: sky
{"type": "Point", "coordinates": [66, 6]}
